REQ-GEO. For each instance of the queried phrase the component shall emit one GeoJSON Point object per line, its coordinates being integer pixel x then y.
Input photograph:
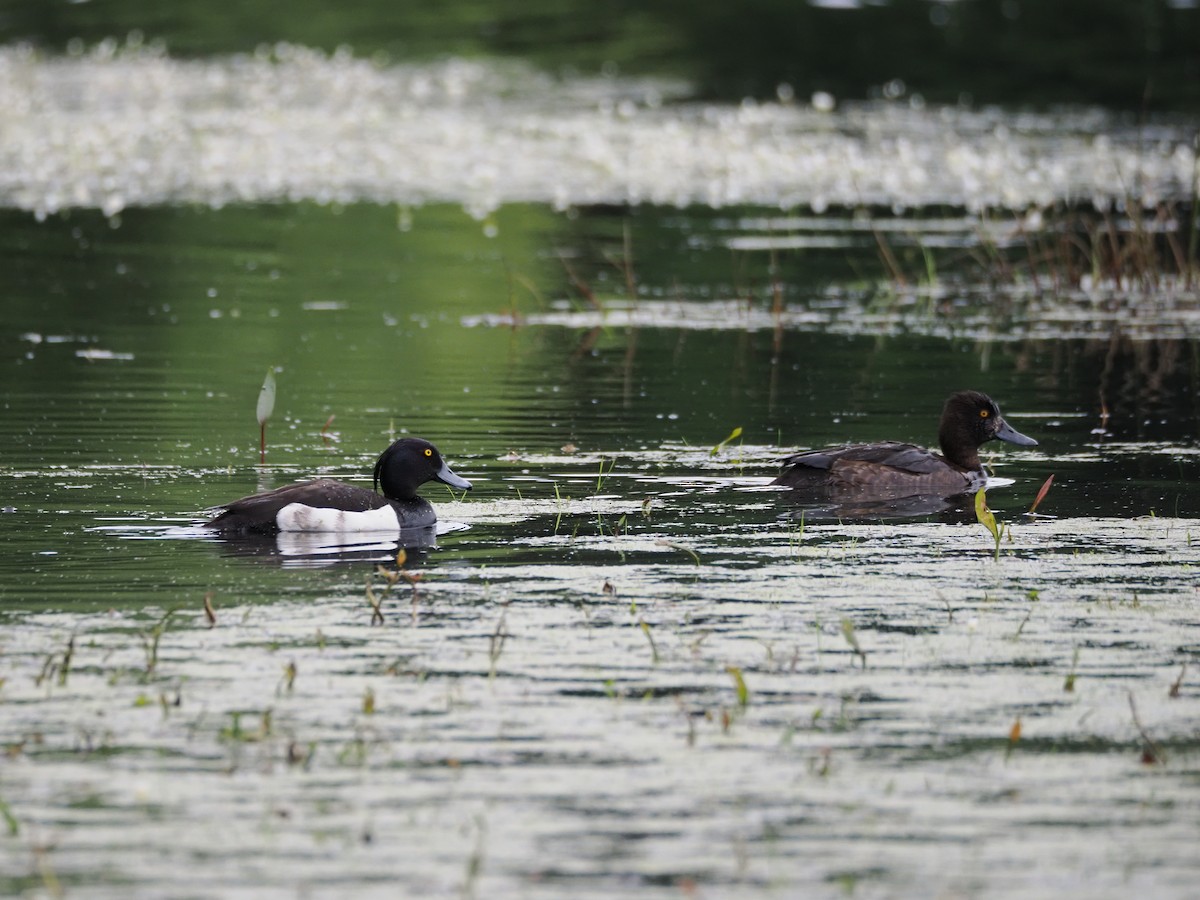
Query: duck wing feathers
{"type": "Point", "coordinates": [258, 512]}
{"type": "Point", "coordinates": [885, 470]}
{"type": "Point", "coordinates": [889, 454]}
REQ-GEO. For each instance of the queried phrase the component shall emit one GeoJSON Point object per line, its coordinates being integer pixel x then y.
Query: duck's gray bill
{"type": "Point", "coordinates": [445, 476]}
{"type": "Point", "coordinates": [1007, 433]}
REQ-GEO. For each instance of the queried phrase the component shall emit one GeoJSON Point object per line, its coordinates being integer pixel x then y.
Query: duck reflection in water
{"type": "Point", "coordinates": [307, 549]}
{"type": "Point", "coordinates": [889, 478]}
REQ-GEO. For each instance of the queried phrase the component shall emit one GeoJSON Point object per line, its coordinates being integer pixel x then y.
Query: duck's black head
{"type": "Point", "coordinates": [408, 464]}
{"type": "Point", "coordinates": [969, 420]}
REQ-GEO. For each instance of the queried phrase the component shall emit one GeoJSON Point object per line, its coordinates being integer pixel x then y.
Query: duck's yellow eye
{"type": "Point", "coordinates": [428, 451]}
{"type": "Point", "coordinates": [983, 414]}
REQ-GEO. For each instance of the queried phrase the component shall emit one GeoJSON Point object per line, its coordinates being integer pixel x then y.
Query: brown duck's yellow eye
{"type": "Point", "coordinates": [983, 414]}
{"type": "Point", "coordinates": [428, 451]}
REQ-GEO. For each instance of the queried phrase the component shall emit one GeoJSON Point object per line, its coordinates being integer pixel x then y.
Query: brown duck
{"type": "Point", "coordinates": [889, 469]}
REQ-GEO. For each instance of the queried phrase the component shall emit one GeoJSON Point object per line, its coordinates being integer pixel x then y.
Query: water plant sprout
{"type": "Point", "coordinates": [263, 410]}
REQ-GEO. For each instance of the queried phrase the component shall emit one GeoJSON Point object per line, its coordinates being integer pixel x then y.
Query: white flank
{"type": "Point", "coordinates": [298, 517]}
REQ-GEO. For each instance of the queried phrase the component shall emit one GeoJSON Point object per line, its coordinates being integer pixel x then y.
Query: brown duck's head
{"type": "Point", "coordinates": [969, 420]}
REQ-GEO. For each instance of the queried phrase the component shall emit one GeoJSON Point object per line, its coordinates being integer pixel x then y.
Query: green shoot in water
{"type": "Point", "coordinates": [739, 682]}
{"type": "Point", "coordinates": [150, 641]}
{"type": "Point", "coordinates": [1069, 684]}
{"type": "Point", "coordinates": [645, 626]}
{"type": "Point", "coordinates": [674, 546]}
{"type": "Point", "coordinates": [600, 477]}
{"type": "Point", "coordinates": [851, 637]}
{"type": "Point", "coordinates": [986, 518]}
{"type": "Point", "coordinates": [14, 827]}
{"type": "Point", "coordinates": [496, 641]}
{"type": "Point", "coordinates": [266, 406]}
{"type": "Point", "coordinates": [733, 436]}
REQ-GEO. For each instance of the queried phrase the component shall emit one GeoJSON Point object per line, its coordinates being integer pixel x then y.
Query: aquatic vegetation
{"type": "Point", "coordinates": [612, 464]}
{"type": "Point", "coordinates": [375, 602]}
{"type": "Point", "coordinates": [10, 820]}
{"type": "Point", "coordinates": [1069, 683]}
{"type": "Point", "coordinates": [645, 627]}
{"type": "Point", "coordinates": [1131, 248]}
{"type": "Point", "coordinates": [733, 436]}
{"type": "Point", "coordinates": [326, 435]}
{"type": "Point", "coordinates": [985, 517]}
{"type": "Point", "coordinates": [674, 545]}
{"type": "Point", "coordinates": [1178, 682]}
{"type": "Point", "coordinates": [739, 683]}
{"type": "Point", "coordinates": [851, 637]}
{"type": "Point", "coordinates": [497, 640]}
{"type": "Point", "coordinates": [236, 733]}
{"type": "Point", "coordinates": [1041, 495]}
{"type": "Point", "coordinates": [1014, 737]}
{"type": "Point", "coordinates": [1152, 752]}
{"type": "Point", "coordinates": [151, 638]}
{"type": "Point", "coordinates": [263, 410]}
{"type": "Point", "coordinates": [288, 681]}
{"type": "Point", "coordinates": [58, 665]}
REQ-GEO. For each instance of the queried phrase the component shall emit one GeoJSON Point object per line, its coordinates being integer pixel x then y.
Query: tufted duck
{"type": "Point", "coordinates": [890, 469]}
{"type": "Point", "coordinates": [327, 505]}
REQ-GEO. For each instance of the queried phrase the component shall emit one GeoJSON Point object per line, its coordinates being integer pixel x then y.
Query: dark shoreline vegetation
{"type": "Point", "coordinates": [1131, 250]}
{"type": "Point", "coordinates": [1135, 56]}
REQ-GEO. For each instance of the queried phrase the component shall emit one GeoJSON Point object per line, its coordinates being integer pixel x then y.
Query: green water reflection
{"type": "Point", "coordinates": [552, 711]}
{"type": "Point", "coordinates": [145, 344]}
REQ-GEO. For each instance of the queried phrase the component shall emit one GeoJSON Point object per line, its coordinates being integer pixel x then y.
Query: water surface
{"type": "Point", "coordinates": [627, 664]}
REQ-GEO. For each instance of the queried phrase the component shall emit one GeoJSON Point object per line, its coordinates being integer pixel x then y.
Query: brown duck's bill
{"type": "Point", "coordinates": [1007, 433]}
{"type": "Point", "coordinates": [446, 476]}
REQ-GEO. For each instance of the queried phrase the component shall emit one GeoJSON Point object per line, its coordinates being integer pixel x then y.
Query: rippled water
{"type": "Point", "coordinates": [627, 665]}
{"type": "Point", "coordinates": [554, 707]}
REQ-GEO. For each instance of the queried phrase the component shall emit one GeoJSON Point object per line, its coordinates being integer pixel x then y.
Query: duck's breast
{"type": "Point", "coordinates": [415, 513]}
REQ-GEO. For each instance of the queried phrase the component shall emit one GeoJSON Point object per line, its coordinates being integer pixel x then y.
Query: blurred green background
{"type": "Point", "coordinates": [1126, 54]}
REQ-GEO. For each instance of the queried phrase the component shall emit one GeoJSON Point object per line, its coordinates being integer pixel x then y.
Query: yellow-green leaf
{"type": "Point", "coordinates": [743, 692]}
{"type": "Point", "coordinates": [984, 515]}
{"type": "Point", "coordinates": [733, 436]}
